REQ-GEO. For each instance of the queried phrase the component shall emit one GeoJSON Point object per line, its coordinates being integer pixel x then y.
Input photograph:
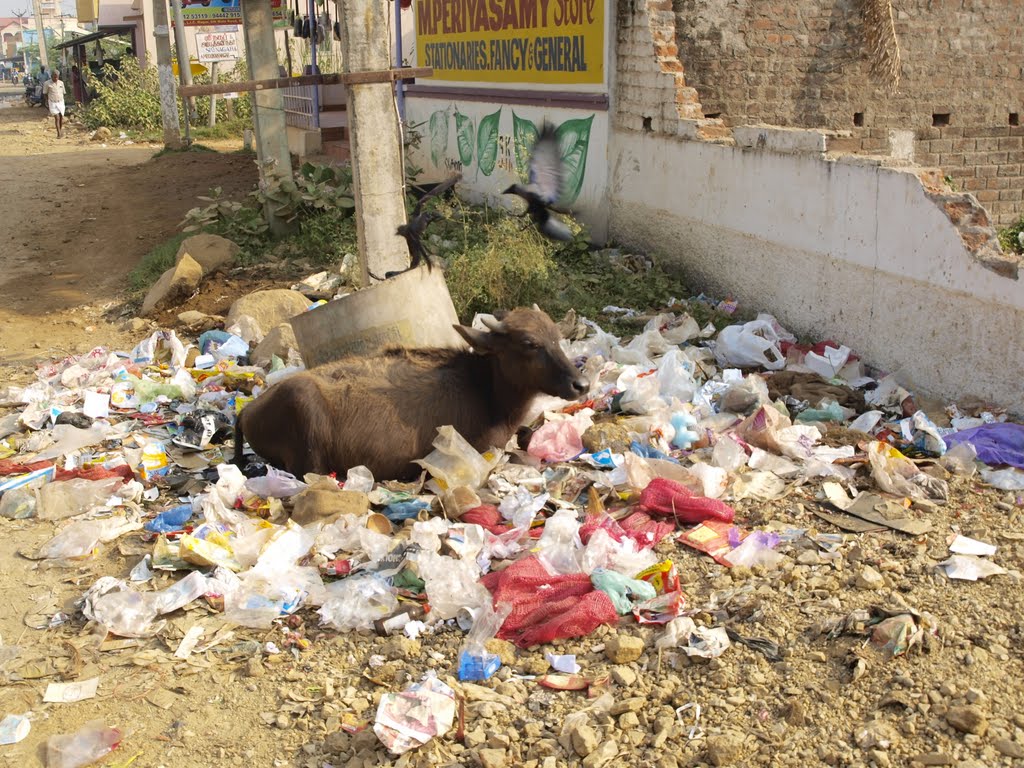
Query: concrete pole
{"type": "Point", "coordinates": [165, 74]}
{"type": "Point", "coordinates": [213, 96]}
{"type": "Point", "coordinates": [268, 106]}
{"type": "Point", "coordinates": [184, 59]}
{"type": "Point", "coordinates": [379, 177]}
{"type": "Point", "coordinates": [44, 58]}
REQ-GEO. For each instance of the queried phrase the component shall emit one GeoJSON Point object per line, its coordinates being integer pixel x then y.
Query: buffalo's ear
{"type": "Point", "coordinates": [500, 314]}
{"type": "Point", "coordinates": [480, 341]}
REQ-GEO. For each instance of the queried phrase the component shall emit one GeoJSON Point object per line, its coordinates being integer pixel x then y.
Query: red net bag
{"type": "Point", "coordinates": [489, 518]}
{"type": "Point", "coordinates": [639, 527]}
{"type": "Point", "coordinates": [645, 530]}
{"type": "Point", "coordinates": [545, 607]}
{"type": "Point", "coordinates": [667, 497]}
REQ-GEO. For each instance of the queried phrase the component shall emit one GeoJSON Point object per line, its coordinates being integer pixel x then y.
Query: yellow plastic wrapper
{"type": "Point", "coordinates": [208, 547]}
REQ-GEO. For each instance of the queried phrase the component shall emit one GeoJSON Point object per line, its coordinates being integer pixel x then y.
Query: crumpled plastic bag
{"type": "Point", "coordinates": [275, 484]}
{"type": "Point", "coordinates": [357, 602]}
{"type": "Point", "coordinates": [455, 462]}
{"type": "Point", "coordinates": [895, 473]}
{"type": "Point", "coordinates": [412, 718]}
{"type": "Point", "coordinates": [162, 347]}
{"type": "Point", "coordinates": [683, 633]}
{"type": "Point", "coordinates": [556, 441]}
{"type": "Point", "coordinates": [753, 344]}
{"type": "Point", "coordinates": [622, 590]}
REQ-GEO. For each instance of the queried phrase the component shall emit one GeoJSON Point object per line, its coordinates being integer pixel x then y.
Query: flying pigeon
{"type": "Point", "coordinates": [546, 186]}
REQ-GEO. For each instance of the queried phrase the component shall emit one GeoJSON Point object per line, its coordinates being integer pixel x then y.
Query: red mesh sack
{"type": "Point", "coordinates": [12, 467]}
{"type": "Point", "coordinates": [667, 497]}
{"type": "Point", "coordinates": [602, 522]}
{"type": "Point", "coordinates": [489, 518]}
{"type": "Point", "coordinates": [545, 607]}
{"type": "Point", "coordinates": [96, 473]}
{"type": "Point", "coordinates": [645, 530]}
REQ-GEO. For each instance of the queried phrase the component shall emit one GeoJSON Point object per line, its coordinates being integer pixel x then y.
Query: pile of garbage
{"type": "Point", "coordinates": [572, 525]}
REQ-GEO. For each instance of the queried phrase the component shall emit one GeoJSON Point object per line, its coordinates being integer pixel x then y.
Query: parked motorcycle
{"type": "Point", "coordinates": [33, 92]}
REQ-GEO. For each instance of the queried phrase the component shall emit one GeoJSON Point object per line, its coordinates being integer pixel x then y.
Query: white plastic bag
{"type": "Point", "coordinates": [455, 462]}
{"type": "Point", "coordinates": [752, 344]}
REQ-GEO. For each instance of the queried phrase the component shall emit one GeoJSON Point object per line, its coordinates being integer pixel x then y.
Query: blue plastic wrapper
{"type": "Point", "coordinates": [649, 452]}
{"type": "Point", "coordinates": [170, 520]}
{"type": "Point", "coordinates": [473, 667]}
{"type": "Point", "coordinates": [404, 510]}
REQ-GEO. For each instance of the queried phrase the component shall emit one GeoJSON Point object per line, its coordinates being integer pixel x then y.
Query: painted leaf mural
{"type": "Point", "coordinates": [487, 142]}
{"type": "Point", "coordinates": [524, 134]}
{"type": "Point", "coordinates": [464, 135]}
{"type": "Point", "coordinates": [438, 136]}
{"type": "Point", "coordinates": [573, 141]}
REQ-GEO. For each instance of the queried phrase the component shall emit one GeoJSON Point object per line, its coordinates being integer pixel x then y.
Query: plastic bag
{"type": "Point", "coordinates": [128, 613]}
{"type": "Point", "coordinates": [170, 520]}
{"type": "Point", "coordinates": [68, 439]}
{"type": "Point", "coordinates": [455, 462]}
{"type": "Point", "coordinates": [712, 481]}
{"type": "Point", "coordinates": [1010, 479]}
{"type": "Point", "coordinates": [359, 479]}
{"type": "Point", "coordinates": [559, 545]}
{"type": "Point", "coordinates": [675, 376]}
{"type": "Point", "coordinates": [275, 484]}
{"type": "Point", "coordinates": [357, 602]}
{"type": "Point", "coordinates": [556, 441]}
{"type": "Point", "coordinates": [84, 747]}
{"type": "Point", "coordinates": [758, 548]}
{"type": "Point", "coordinates": [451, 584]}
{"type": "Point", "coordinates": [960, 459]}
{"type": "Point", "coordinates": [758, 485]}
{"type": "Point", "coordinates": [475, 663]}
{"type": "Point", "coordinates": [622, 590]}
{"type": "Point", "coordinates": [19, 503]}
{"type": "Point", "coordinates": [68, 498]}
{"type": "Point", "coordinates": [729, 455]}
{"type": "Point", "coordinates": [163, 347]}
{"type": "Point", "coordinates": [995, 444]}
{"type": "Point", "coordinates": [753, 344]}
{"type": "Point", "coordinates": [895, 473]}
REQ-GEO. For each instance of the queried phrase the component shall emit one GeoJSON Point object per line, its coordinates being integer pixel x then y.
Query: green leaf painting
{"type": "Point", "coordinates": [524, 134]}
{"type": "Point", "coordinates": [464, 134]}
{"type": "Point", "coordinates": [487, 142]}
{"type": "Point", "coordinates": [573, 140]}
{"type": "Point", "coordinates": [438, 136]}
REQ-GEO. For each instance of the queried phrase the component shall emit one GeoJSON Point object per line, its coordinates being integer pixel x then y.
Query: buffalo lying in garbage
{"type": "Point", "coordinates": [383, 410]}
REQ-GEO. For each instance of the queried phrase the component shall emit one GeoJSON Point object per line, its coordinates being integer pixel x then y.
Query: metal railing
{"type": "Point", "coordinates": [299, 107]}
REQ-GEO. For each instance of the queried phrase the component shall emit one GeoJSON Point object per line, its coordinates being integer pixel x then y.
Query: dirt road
{"type": "Point", "coordinates": [78, 215]}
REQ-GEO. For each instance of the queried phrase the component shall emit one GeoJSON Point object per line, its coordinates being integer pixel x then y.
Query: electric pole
{"type": "Point", "coordinates": [168, 99]}
{"type": "Point", "coordinates": [184, 61]}
{"type": "Point", "coordinates": [21, 23]}
{"type": "Point", "coordinates": [44, 58]}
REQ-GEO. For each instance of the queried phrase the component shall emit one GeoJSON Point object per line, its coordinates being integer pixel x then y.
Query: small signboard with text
{"type": "Point", "coordinates": [217, 46]}
{"type": "Point", "coordinates": [206, 12]}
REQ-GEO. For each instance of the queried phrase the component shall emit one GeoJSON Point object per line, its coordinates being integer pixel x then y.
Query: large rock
{"type": "Point", "coordinates": [281, 342]}
{"type": "Point", "coordinates": [268, 309]}
{"type": "Point", "coordinates": [212, 252]}
{"type": "Point", "coordinates": [174, 286]}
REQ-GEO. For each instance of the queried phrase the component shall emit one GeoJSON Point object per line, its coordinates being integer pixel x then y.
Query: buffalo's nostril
{"type": "Point", "coordinates": [580, 386]}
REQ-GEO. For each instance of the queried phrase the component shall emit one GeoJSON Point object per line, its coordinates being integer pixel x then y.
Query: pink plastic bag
{"type": "Point", "coordinates": [556, 441]}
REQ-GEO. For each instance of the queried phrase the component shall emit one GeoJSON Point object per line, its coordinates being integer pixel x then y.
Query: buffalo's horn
{"type": "Point", "coordinates": [536, 308]}
{"type": "Point", "coordinates": [492, 324]}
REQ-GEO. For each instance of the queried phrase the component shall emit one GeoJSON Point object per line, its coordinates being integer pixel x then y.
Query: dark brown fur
{"type": "Point", "coordinates": [383, 410]}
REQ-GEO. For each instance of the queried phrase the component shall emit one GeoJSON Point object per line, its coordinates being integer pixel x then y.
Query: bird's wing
{"type": "Point", "coordinates": [546, 170]}
{"type": "Point", "coordinates": [437, 191]}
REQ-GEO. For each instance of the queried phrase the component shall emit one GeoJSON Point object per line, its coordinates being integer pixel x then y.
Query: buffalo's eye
{"type": "Point", "coordinates": [529, 344]}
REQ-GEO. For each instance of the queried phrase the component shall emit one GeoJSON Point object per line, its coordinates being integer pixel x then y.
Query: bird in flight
{"type": "Point", "coordinates": [546, 185]}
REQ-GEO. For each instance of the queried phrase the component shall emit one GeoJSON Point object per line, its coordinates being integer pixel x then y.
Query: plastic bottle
{"type": "Point", "coordinates": [91, 743]}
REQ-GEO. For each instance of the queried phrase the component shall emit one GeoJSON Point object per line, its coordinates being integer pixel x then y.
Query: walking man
{"type": "Point", "coordinates": [53, 92]}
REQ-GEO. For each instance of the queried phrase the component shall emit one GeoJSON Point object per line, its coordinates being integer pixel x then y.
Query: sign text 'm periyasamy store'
{"type": "Point", "coordinates": [512, 41]}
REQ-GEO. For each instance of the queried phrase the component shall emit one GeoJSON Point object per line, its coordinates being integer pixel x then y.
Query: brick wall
{"type": "Point", "coordinates": [802, 63]}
